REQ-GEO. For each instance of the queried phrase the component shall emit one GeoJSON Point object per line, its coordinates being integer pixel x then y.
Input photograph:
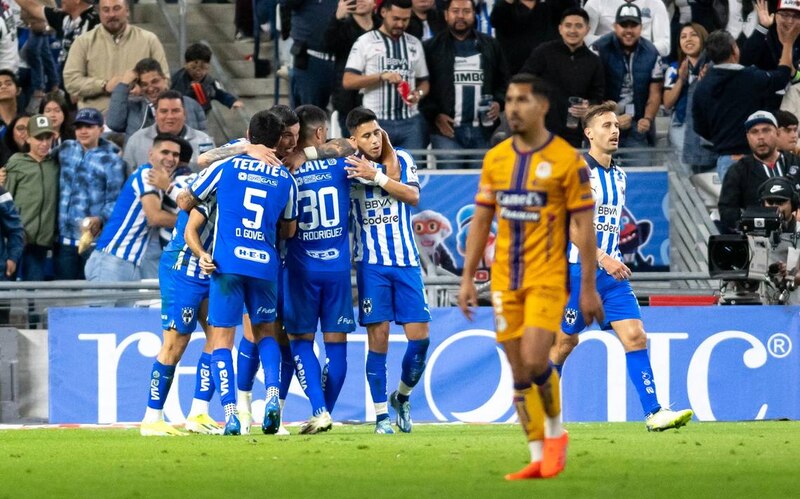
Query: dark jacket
{"type": "Point", "coordinates": [213, 90]}
{"type": "Point", "coordinates": [726, 96]}
{"type": "Point", "coordinates": [435, 20]}
{"type": "Point", "coordinates": [570, 74]}
{"type": "Point", "coordinates": [440, 54]}
{"type": "Point", "coordinates": [763, 49]}
{"type": "Point", "coordinates": [12, 235]}
{"type": "Point", "coordinates": [740, 186]}
{"type": "Point", "coordinates": [339, 39]}
{"type": "Point", "coordinates": [520, 29]}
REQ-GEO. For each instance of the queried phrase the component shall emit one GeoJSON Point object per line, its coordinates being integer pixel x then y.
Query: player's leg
{"type": "Point", "coordinates": [287, 360]}
{"type": "Point", "coordinates": [571, 324]}
{"type": "Point", "coordinates": [247, 362]}
{"type": "Point", "coordinates": [309, 374]}
{"type": "Point", "coordinates": [161, 376]}
{"type": "Point", "coordinates": [335, 370]}
{"type": "Point", "coordinates": [414, 314]}
{"type": "Point", "coordinates": [336, 321]}
{"type": "Point", "coordinates": [199, 420]}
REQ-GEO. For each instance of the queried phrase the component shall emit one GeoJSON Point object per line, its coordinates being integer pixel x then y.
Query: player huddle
{"type": "Point", "coordinates": [271, 221]}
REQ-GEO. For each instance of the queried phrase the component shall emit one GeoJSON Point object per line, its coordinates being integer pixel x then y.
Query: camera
{"type": "Point", "coordinates": [742, 261]}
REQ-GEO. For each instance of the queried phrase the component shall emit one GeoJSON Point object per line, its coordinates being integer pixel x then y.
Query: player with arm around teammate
{"type": "Point", "coordinates": [622, 314]}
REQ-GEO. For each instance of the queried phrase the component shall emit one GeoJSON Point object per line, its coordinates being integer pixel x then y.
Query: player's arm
{"type": "Point", "coordinates": [334, 148]}
{"type": "Point", "coordinates": [585, 239]}
{"type": "Point", "coordinates": [288, 222]}
{"type": "Point", "coordinates": [257, 151]}
{"type": "Point", "coordinates": [476, 246]}
{"type": "Point", "coordinates": [389, 157]}
{"type": "Point", "coordinates": [156, 217]}
{"type": "Point", "coordinates": [361, 167]}
{"type": "Point", "coordinates": [288, 228]}
{"type": "Point", "coordinates": [194, 226]}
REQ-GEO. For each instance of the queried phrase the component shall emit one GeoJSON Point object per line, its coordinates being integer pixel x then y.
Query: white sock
{"type": "Point", "coordinates": [404, 389]}
{"type": "Point", "coordinates": [153, 415]}
{"type": "Point", "coordinates": [537, 450]}
{"type": "Point", "coordinates": [198, 407]}
{"type": "Point", "coordinates": [244, 399]}
{"type": "Point", "coordinates": [382, 408]}
{"type": "Point", "coordinates": [553, 427]}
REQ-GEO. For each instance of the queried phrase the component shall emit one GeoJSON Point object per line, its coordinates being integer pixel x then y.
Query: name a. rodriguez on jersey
{"type": "Point", "coordinates": [316, 235]}
{"type": "Point", "coordinates": [251, 254]}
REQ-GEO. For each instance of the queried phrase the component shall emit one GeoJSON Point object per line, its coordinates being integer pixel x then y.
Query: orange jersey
{"type": "Point", "coordinates": [533, 193]}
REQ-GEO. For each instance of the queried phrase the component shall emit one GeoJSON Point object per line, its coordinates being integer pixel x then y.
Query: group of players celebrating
{"type": "Point", "coordinates": [264, 240]}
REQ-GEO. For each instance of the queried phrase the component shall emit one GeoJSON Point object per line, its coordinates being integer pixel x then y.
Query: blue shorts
{"type": "Point", "coordinates": [229, 291]}
{"type": "Point", "coordinates": [391, 294]}
{"type": "Point", "coordinates": [312, 297]}
{"type": "Point", "coordinates": [181, 297]}
{"type": "Point", "coordinates": [618, 299]}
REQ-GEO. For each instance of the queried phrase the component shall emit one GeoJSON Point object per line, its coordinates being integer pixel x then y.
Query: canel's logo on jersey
{"type": "Point", "coordinates": [252, 254]}
{"type": "Point", "coordinates": [521, 199]}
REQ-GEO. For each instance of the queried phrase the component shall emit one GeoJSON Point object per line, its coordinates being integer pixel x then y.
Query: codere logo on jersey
{"type": "Point", "coordinates": [521, 206]}
{"type": "Point", "coordinates": [254, 255]}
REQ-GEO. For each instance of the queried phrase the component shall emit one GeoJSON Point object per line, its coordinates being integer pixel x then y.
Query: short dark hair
{"type": "Point", "coordinates": [539, 86]}
{"type": "Point", "coordinates": [10, 74]}
{"type": "Point", "coordinates": [265, 128]}
{"type": "Point", "coordinates": [785, 118]}
{"type": "Point", "coordinates": [166, 137]}
{"type": "Point", "coordinates": [311, 117]}
{"type": "Point", "coordinates": [447, 3]}
{"type": "Point", "coordinates": [575, 11]}
{"type": "Point", "coordinates": [147, 65]}
{"type": "Point", "coordinates": [719, 46]}
{"type": "Point", "coordinates": [357, 117]}
{"type": "Point", "coordinates": [197, 52]}
{"type": "Point", "coordinates": [400, 4]}
{"type": "Point", "coordinates": [169, 95]}
{"type": "Point", "coordinates": [285, 114]}
{"type": "Point", "coordinates": [596, 110]}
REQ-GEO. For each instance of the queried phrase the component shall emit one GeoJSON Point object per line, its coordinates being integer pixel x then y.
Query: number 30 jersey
{"type": "Point", "coordinates": [251, 198]}
{"type": "Point", "coordinates": [321, 243]}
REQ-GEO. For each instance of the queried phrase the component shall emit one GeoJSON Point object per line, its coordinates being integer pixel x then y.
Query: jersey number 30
{"type": "Point", "coordinates": [317, 208]}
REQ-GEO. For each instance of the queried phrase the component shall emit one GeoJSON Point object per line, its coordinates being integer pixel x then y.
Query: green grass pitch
{"type": "Point", "coordinates": [726, 460]}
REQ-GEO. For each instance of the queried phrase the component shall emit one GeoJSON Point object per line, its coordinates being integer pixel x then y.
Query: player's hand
{"type": "Point", "coordinates": [388, 155]}
{"type": "Point", "coordinates": [295, 159]}
{"type": "Point", "coordinates": [159, 178]}
{"type": "Point", "coordinates": [616, 269]}
{"type": "Point", "coordinates": [262, 153]}
{"type": "Point", "coordinates": [207, 264]}
{"type": "Point", "coordinates": [467, 298]}
{"type": "Point", "coordinates": [591, 306]}
{"type": "Point", "coordinates": [11, 267]}
{"type": "Point", "coordinates": [445, 125]}
{"type": "Point", "coordinates": [360, 168]}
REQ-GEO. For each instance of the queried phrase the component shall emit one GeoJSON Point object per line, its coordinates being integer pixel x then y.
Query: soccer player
{"type": "Point", "coordinates": [252, 198]}
{"type": "Point", "coordinates": [388, 274]}
{"type": "Point", "coordinates": [535, 183]}
{"type": "Point", "coordinates": [622, 312]}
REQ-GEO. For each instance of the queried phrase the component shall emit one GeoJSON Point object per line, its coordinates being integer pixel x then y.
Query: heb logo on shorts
{"type": "Point", "coordinates": [251, 254]}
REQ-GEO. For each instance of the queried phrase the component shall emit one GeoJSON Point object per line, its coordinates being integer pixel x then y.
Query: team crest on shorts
{"type": "Point", "coordinates": [570, 315]}
{"type": "Point", "coordinates": [366, 306]}
{"type": "Point", "coordinates": [187, 314]}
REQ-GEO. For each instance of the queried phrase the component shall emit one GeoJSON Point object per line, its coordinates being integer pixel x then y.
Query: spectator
{"type": "Point", "coordinates": [194, 81]}
{"type": "Point", "coordinates": [464, 66]}
{"type": "Point", "coordinates": [92, 174]}
{"type": "Point", "coordinates": [730, 92]}
{"type": "Point", "coordinates": [353, 19]}
{"type": "Point", "coordinates": [170, 119]}
{"type": "Point", "coordinates": [633, 76]}
{"type": "Point", "coordinates": [765, 161]}
{"type": "Point", "coordinates": [54, 106]}
{"type": "Point", "coordinates": [312, 77]}
{"type": "Point", "coordinates": [129, 114]}
{"type": "Point", "coordinates": [32, 180]}
{"type": "Point", "coordinates": [787, 131]}
{"type": "Point", "coordinates": [742, 20]}
{"type": "Point", "coordinates": [763, 49]}
{"type": "Point", "coordinates": [99, 59]}
{"type": "Point", "coordinates": [521, 25]}
{"type": "Point", "coordinates": [74, 18]}
{"type": "Point", "coordinates": [426, 21]}
{"type": "Point", "coordinates": [9, 49]}
{"type": "Point", "coordinates": [9, 91]}
{"type": "Point", "coordinates": [680, 75]}
{"type": "Point", "coordinates": [385, 62]}
{"type": "Point", "coordinates": [572, 71]}
{"type": "Point", "coordinates": [12, 239]}
{"type": "Point", "coordinates": [655, 21]}
{"type": "Point", "coordinates": [44, 75]}
{"type": "Point", "coordinates": [17, 137]}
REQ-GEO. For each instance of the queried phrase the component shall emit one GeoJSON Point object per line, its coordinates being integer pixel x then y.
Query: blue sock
{"type": "Point", "coordinates": [558, 368]}
{"type": "Point", "coordinates": [287, 370]}
{"type": "Point", "coordinates": [641, 374]}
{"type": "Point", "coordinates": [246, 365]}
{"type": "Point", "coordinates": [334, 373]}
{"type": "Point", "coordinates": [222, 372]}
{"type": "Point", "coordinates": [160, 381]}
{"type": "Point", "coordinates": [309, 374]}
{"type": "Point", "coordinates": [413, 367]}
{"type": "Point", "coordinates": [270, 361]}
{"type": "Point", "coordinates": [203, 382]}
{"type": "Point", "coordinates": [376, 377]}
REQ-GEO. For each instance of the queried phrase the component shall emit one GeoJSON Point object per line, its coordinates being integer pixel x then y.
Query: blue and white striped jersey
{"type": "Point", "coordinates": [608, 188]}
{"type": "Point", "coordinates": [185, 261]}
{"type": "Point", "coordinates": [126, 233]}
{"type": "Point", "coordinates": [251, 198]}
{"type": "Point", "coordinates": [382, 230]}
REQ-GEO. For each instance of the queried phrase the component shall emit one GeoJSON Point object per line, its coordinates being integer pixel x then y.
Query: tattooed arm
{"type": "Point", "coordinates": [257, 151]}
{"type": "Point", "coordinates": [334, 148]}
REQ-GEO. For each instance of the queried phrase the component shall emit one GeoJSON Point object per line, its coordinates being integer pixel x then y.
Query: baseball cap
{"type": "Point", "coordinates": [776, 188]}
{"type": "Point", "coordinates": [760, 117]}
{"type": "Point", "coordinates": [629, 12]}
{"type": "Point", "coordinates": [39, 124]}
{"type": "Point", "coordinates": [789, 5]}
{"type": "Point", "coordinates": [89, 116]}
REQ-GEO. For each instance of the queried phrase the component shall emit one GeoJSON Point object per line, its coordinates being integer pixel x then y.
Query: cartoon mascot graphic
{"type": "Point", "coordinates": [464, 220]}
{"type": "Point", "coordinates": [431, 229]}
{"type": "Point", "coordinates": [633, 236]}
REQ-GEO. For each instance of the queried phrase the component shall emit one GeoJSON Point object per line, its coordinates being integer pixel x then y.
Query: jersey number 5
{"type": "Point", "coordinates": [249, 205]}
{"type": "Point", "coordinates": [317, 208]}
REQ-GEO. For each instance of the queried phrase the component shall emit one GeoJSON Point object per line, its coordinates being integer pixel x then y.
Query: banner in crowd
{"type": "Point", "coordinates": [442, 221]}
{"type": "Point", "coordinates": [725, 363]}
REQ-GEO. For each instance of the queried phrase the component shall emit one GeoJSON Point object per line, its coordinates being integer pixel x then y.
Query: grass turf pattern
{"type": "Point", "coordinates": [752, 459]}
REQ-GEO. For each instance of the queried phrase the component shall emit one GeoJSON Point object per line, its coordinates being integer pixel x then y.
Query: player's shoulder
{"type": "Point", "coordinates": [560, 150]}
